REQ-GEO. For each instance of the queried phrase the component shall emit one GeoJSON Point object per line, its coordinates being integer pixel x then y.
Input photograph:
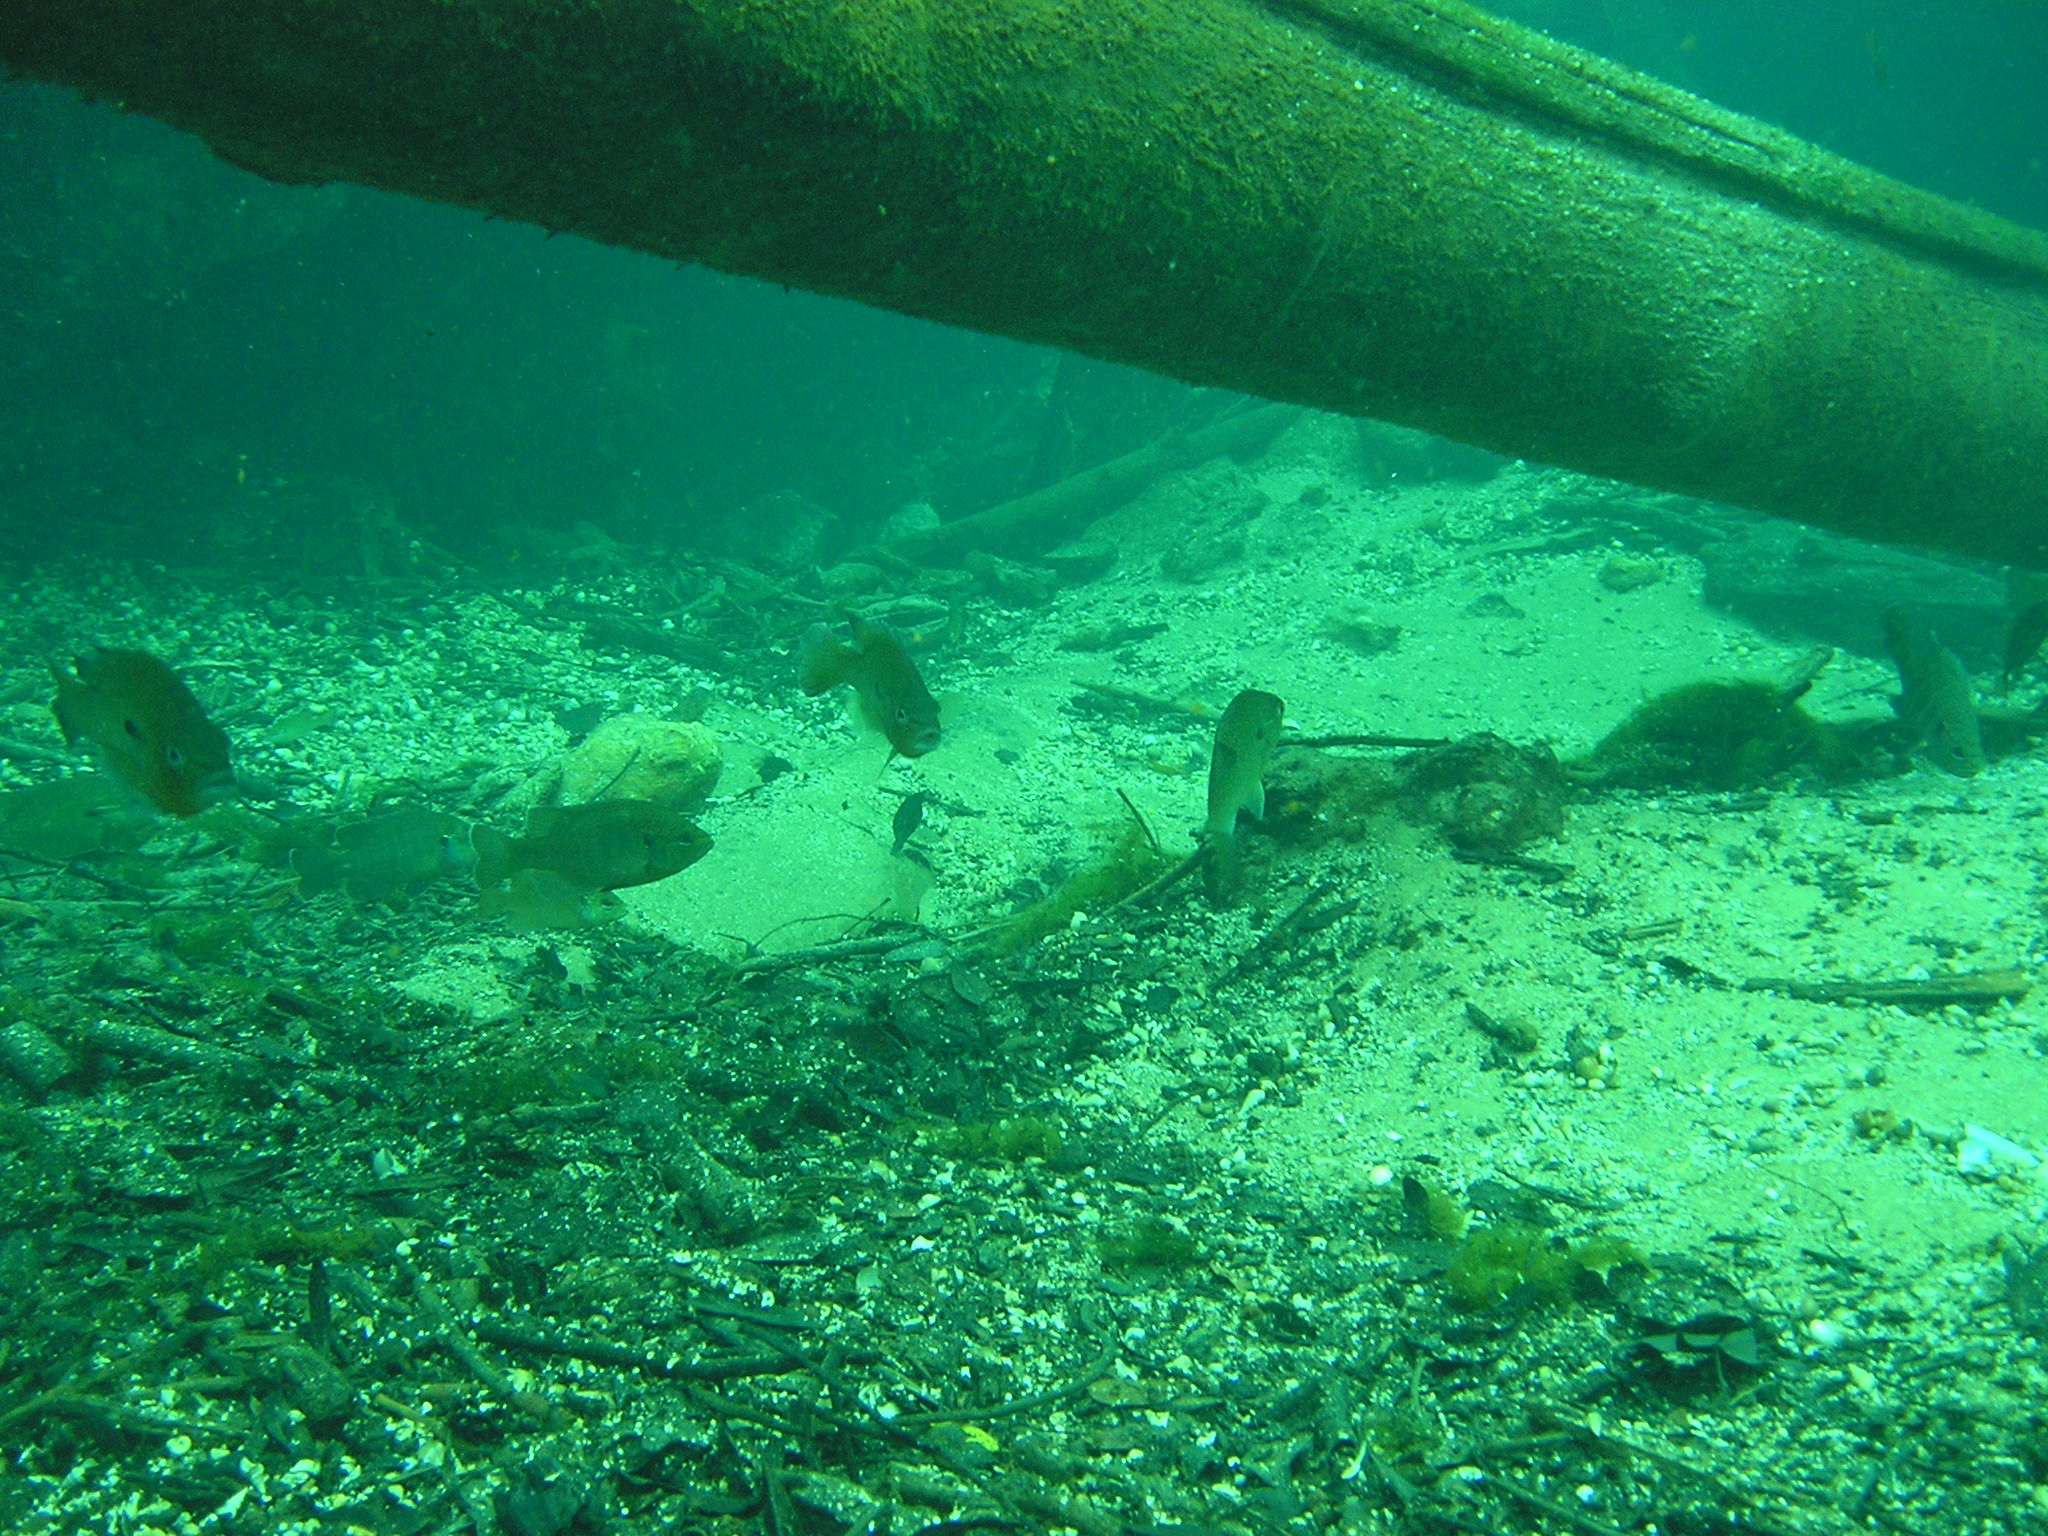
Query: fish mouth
{"type": "Point", "coordinates": [216, 787]}
{"type": "Point", "coordinates": [923, 742]}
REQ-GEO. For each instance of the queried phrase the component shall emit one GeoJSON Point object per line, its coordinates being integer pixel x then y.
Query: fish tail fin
{"type": "Point", "coordinates": [821, 660]}
{"type": "Point", "coordinates": [495, 854]}
{"type": "Point", "coordinates": [67, 691]}
{"type": "Point", "coordinates": [318, 866]}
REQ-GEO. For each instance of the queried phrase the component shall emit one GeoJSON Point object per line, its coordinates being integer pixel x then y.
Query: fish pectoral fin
{"type": "Point", "coordinates": [1255, 802]}
{"type": "Point", "coordinates": [496, 854]}
{"type": "Point", "coordinates": [543, 819]}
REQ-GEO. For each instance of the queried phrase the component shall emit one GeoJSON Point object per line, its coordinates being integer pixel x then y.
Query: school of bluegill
{"type": "Point", "coordinates": [149, 731]}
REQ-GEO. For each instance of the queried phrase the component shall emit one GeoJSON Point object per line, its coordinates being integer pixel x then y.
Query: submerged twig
{"type": "Point", "coordinates": [1143, 825]}
{"type": "Point", "coordinates": [1972, 989]}
{"type": "Point", "coordinates": [141, 1042]}
{"type": "Point", "coordinates": [1161, 883]}
{"type": "Point", "coordinates": [452, 1334]}
{"type": "Point", "coordinates": [1093, 1372]}
{"type": "Point", "coordinates": [725, 1367]}
{"type": "Point", "coordinates": [1306, 918]}
{"type": "Point", "coordinates": [826, 954]}
{"type": "Point", "coordinates": [30, 751]}
{"type": "Point", "coordinates": [1408, 743]}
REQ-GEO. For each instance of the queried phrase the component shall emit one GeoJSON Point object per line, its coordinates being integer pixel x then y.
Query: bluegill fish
{"type": "Point", "coordinates": [1934, 694]}
{"type": "Point", "coordinates": [66, 819]}
{"type": "Point", "coordinates": [908, 818]}
{"type": "Point", "coordinates": [146, 726]}
{"type": "Point", "coordinates": [891, 696]}
{"type": "Point", "coordinates": [384, 853]}
{"type": "Point", "coordinates": [2026, 596]}
{"type": "Point", "coordinates": [1245, 738]}
{"type": "Point", "coordinates": [597, 847]}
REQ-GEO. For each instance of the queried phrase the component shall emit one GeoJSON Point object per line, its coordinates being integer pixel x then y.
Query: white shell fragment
{"type": "Point", "coordinates": [1986, 1154]}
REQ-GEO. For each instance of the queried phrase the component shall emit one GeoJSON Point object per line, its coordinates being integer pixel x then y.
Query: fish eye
{"type": "Point", "coordinates": [132, 729]}
{"type": "Point", "coordinates": [174, 757]}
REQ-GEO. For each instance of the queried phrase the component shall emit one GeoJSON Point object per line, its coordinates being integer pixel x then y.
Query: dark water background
{"type": "Point", "coordinates": [196, 361]}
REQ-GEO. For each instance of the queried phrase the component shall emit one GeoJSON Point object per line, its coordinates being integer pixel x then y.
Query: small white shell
{"type": "Point", "coordinates": [1987, 1154]}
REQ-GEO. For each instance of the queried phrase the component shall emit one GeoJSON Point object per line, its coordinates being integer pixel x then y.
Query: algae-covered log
{"type": "Point", "coordinates": [1046, 515]}
{"type": "Point", "coordinates": [1399, 208]}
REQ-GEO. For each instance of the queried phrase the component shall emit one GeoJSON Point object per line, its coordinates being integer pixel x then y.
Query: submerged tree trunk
{"type": "Point", "coordinates": [1396, 208]}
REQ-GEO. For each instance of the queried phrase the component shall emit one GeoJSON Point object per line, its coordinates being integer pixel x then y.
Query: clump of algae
{"type": "Point", "coordinates": [282, 1242]}
{"type": "Point", "coordinates": [1511, 1258]}
{"type": "Point", "coordinates": [1507, 1257]}
{"type": "Point", "coordinates": [205, 936]}
{"type": "Point", "coordinates": [1120, 866]}
{"type": "Point", "coordinates": [1011, 1139]}
{"type": "Point", "coordinates": [562, 1063]}
{"type": "Point", "coordinates": [1149, 1242]}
